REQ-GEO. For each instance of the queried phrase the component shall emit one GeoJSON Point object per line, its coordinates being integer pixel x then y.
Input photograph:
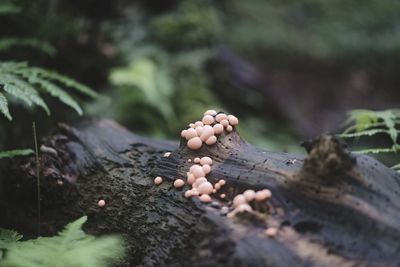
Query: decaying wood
{"type": "Point", "coordinates": [332, 208]}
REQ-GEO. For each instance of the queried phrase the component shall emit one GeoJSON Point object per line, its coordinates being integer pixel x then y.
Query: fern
{"type": "Point", "coordinates": [14, 153]}
{"type": "Point", "coordinates": [9, 42]}
{"type": "Point", "coordinates": [24, 83]}
{"type": "Point", "coordinates": [71, 247]}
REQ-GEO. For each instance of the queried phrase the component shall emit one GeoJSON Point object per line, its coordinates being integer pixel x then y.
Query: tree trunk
{"type": "Point", "coordinates": [331, 209]}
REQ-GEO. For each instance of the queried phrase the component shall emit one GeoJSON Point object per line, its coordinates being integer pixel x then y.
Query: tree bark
{"type": "Point", "coordinates": [331, 208]}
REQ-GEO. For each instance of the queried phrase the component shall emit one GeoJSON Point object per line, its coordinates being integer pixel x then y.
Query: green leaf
{"type": "Point", "coordinates": [15, 153]}
{"type": "Point", "coordinates": [4, 107]}
{"type": "Point", "coordinates": [71, 247]}
{"type": "Point", "coordinates": [9, 42]}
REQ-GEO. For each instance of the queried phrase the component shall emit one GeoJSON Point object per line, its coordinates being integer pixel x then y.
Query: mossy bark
{"type": "Point", "coordinates": [332, 208]}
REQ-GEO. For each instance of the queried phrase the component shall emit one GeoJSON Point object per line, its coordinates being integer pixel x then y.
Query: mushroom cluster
{"type": "Point", "coordinates": [196, 177]}
{"type": "Point", "coordinates": [206, 130]}
{"type": "Point", "coordinates": [241, 201]}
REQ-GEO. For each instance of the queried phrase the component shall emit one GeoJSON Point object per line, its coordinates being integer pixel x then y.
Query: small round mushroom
{"type": "Point", "coordinates": [205, 198]}
{"type": "Point", "coordinates": [190, 178]}
{"type": "Point", "coordinates": [222, 182]}
{"type": "Point", "coordinates": [249, 195]}
{"type": "Point", "coordinates": [212, 140]}
{"type": "Point", "coordinates": [271, 231]}
{"type": "Point", "coordinates": [158, 180]}
{"type": "Point", "coordinates": [233, 120]}
{"type": "Point", "coordinates": [196, 160]}
{"type": "Point", "coordinates": [207, 133]}
{"type": "Point", "coordinates": [211, 112]}
{"type": "Point", "coordinates": [206, 160]}
{"type": "Point", "coordinates": [218, 128]}
{"type": "Point", "coordinates": [199, 130]}
{"type": "Point", "coordinates": [198, 171]}
{"type": "Point", "coordinates": [208, 119]}
{"type": "Point", "coordinates": [222, 196]}
{"type": "Point", "coordinates": [190, 133]}
{"type": "Point", "coordinates": [224, 123]}
{"type": "Point", "coordinates": [167, 154]}
{"type": "Point", "coordinates": [191, 125]}
{"type": "Point", "coordinates": [263, 195]}
{"type": "Point", "coordinates": [205, 188]}
{"type": "Point", "coordinates": [206, 169]}
{"type": "Point", "coordinates": [198, 123]}
{"type": "Point", "coordinates": [178, 183]}
{"type": "Point", "coordinates": [189, 160]}
{"type": "Point", "coordinates": [244, 207]}
{"type": "Point", "coordinates": [220, 117]}
{"type": "Point", "coordinates": [194, 143]}
{"type": "Point", "coordinates": [199, 181]}
{"type": "Point", "coordinates": [188, 193]}
{"type": "Point", "coordinates": [239, 200]}
{"type": "Point", "coordinates": [183, 133]}
{"type": "Point", "coordinates": [101, 203]}
{"type": "Point", "coordinates": [229, 128]}
{"type": "Point", "coordinates": [217, 186]}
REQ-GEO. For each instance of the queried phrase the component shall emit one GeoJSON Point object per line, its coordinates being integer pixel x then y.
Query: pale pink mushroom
{"type": "Point", "coordinates": [210, 112]}
{"type": "Point", "coordinates": [190, 133]}
{"type": "Point", "coordinates": [158, 180]}
{"type": "Point", "coordinates": [214, 191]}
{"type": "Point", "coordinates": [205, 198]}
{"type": "Point", "coordinates": [167, 154]}
{"type": "Point", "coordinates": [207, 132]}
{"type": "Point", "coordinates": [217, 186]}
{"type": "Point", "coordinates": [263, 195]}
{"type": "Point", "coordinates": [191, 125]}
{"type": "Point", "coordinates": [198, 171]}
{"type": "Point", "coordinates": [249, 195]}
{"type": "Point", "coordinates": [194, 143]}
{"type": "Point", "coordinates": [206, 169]}
{"type": "Point", "coordinates": [271, 231]}
{"type": "Point", "coordinates": [205, 188]}
{"type": "Point", "coordinates": [229, 128]}
{"type": "Point", "coordinates": [101, 203]}
{"type": "Point", "coordinates": [206, 160]}
{"type": "Point", "coordinates": [222, 196]}
{"type": "Point", "coordinates": [220, 117]}
{"type": "Point", "coordinates": [199, 181]}
{"type": "Point", "coordinates": [198, 123]}
{"type": "Point", "coordinates": [195, 192]}
{"type": "Point", "coordinates": [196, 160]}
{"type": "Point", "coordinates": [178, 183]}
{"type": "Point", "coordinates": [190, 178]}
{"type": "Point", "coordinates": [208, 119]}
{"type": "Point", "coordinates": [233, 120]}
{"type": "Point", "coordinates": [224, 123]}
{"type": "Point", "coordinates": [188, 193]}
{"type": "Point", "coordinates": [183, 133]}
{"type": "Point", "coordinates": [244, 207]}
{"type": "Point", "coordinates": [211, 140]}
{"type": "Point", "coordinates": [239, 200]}
{"type": "Point", "coordinates": [218, 128]}
{"type": "Point", "coordinates": [199, 130]}
{"type": "Point", "coordinates": [222, 182]}
{"type": "Point", "coordinates": [189, 160]}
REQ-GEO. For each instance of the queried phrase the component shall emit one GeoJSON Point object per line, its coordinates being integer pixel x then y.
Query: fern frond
{"type": "Point", "coordinates": [72, 247]}
{"type": "Point", "coordinates": [24, 82]}
{"type": "Point", "coordinates": [14, 153]}
{"type": "Point", "coordinates": [375, 151]}
{"type": "Point", "coordinates": [9, 42]}
{"type": "Point", "coordinates": [4, 107]}
{"type": "Point", "coordinates": [364, 133]}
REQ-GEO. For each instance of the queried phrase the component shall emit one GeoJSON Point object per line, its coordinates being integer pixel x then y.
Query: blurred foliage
{"type": "Point", "coordinates": [325, 30]}
{"type": "Point", "coordinates": [71, 247]}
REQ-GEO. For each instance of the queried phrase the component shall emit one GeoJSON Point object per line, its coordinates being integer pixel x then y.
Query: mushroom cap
{"type": "Point", "coordinates": [101, 203]}
{"type": "Point", "coordinates": [205, 198]}
{"type": "Point", "coordinates": [178, 183]}
{"type": "Point", "coordinates": [206, 169]}
{"type": "Point", "coordinates": [190, 133]}
{"type": "Point", "coordinates": [218, 128]}
{"type": "Point", "coordinates": [205, 188]}
{"type": "Point", "coordinates": [244, 207]}
{"type": "Point", "coordinates": [208, 119]}
{"type": "Point", "coordinates": [239, 200]}
{"type": "Point", "coordinates": [198, 171]}
{"type": "Point", "coordinates": [196, 160]}
{"type": "Point", "coordinates": [198, 123]}
{"type": "Point", "coordinates": [229, 128]}
{"type": "Point", "coordinates": [211, 140]}
{"type": "Point", "coordinates": [199, 181]}
{"type": "Point", "coordinates": [158, 180]}
{"type": "Point", "coordinates": [194, 143]}
{"type": "Point", "coordinates": [188, 193]}
{"type": "Point", "coordinates": [249, 195]}
{"type": "Point", "coordinates": [207, 132]}
{"type": "Point", "coordinates": [222, 196]}
{"type": "Point", "coordinates": [220, 117]}
{"type": "Point", "coordinates": [183, 133]}
{"type": "Point", "coordinates": [263, 195]}
{"type": "Point", "coordinates": [199, 130]}
{"type": "Point", "coordinates": [206, 160]}
{"type": "Point", "coordinates": [211, 112]}
{"type": "Point", "coordinates": [190, 178]}
{"type": "Point", "coordinates": [222, 182]}
{"type": "Point", "coordinates": [271, 231]}
{"type": "Point", "coordinates": [233, 120]}
{"type": "Point", "coordinates": [224, 122]}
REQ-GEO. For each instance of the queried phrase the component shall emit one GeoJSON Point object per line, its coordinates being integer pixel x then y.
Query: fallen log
{"type": "Point", "coordinates": [331, 208]}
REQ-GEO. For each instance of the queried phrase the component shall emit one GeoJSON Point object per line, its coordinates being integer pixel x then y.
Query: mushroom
{"type": "Point", "coordinates": [239, 200]}
{"type": "Point", "coordinates": [178, 183]}
{"type": "Point", "coordinates": [233, 120]}
{"type": "Point", "coordinates": [210, 112]}
{"type": "Point", "coordinates": [206, 160]}
{"type": "Point", "coordinates": [212, 140]}
{"type": "Point", "coordinates": [205, 198]}
{"type": "Point", "coordinates": [101, 203]}
{"type": "Point", "coordinates": [205, 188]}
{"type": "Point", "coordinates": [194, 143]}
{"type": "Point", "coordinates": [249, 195]}
{"type": "Point", "coordinates": [218, 128]}
{"type": "Point", "coordinates": [208, 119]}
{"type": "Point", "coordinates": [271, 231]}
{"type": "Point", "coordinates": [158, 180]}
{"type": "Point", "coordinates": [263, 195]}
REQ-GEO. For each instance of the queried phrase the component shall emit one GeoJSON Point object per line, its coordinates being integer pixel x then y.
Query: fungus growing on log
{"type": "Point", "coordinates": [332, 208]}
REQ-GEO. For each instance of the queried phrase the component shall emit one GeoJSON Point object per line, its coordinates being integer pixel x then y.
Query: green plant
{"type": "Point", "coordinates": [14, 153]}
{"type": "Point", "coordinates": [71, 247]}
